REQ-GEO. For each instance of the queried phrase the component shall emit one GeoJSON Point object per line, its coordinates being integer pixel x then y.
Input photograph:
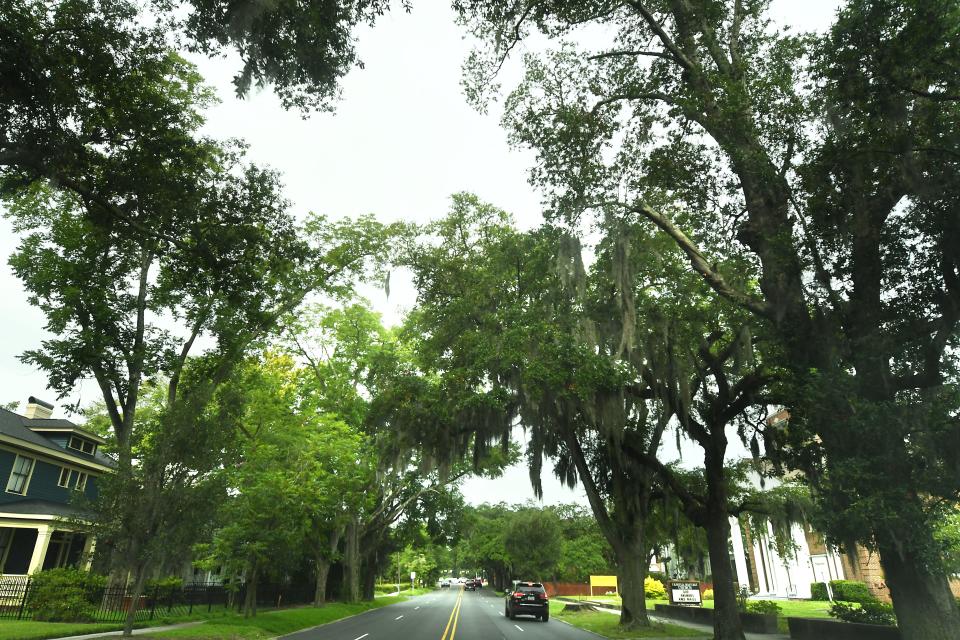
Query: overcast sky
{"type": "Point", "coordinates": [401, 141]}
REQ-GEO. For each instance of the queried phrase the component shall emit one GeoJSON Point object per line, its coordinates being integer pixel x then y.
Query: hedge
{"type": "Point", "coordinates": [844, 590]}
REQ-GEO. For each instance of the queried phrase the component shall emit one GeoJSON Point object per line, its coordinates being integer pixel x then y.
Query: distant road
{"type": "Point", "coordinates": [446, 614]}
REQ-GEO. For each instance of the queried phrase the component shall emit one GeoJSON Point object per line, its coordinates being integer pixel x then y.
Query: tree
{"type": "Point", "coordinates": [363, 373]}
{"type": "Point", "coordinates": [140, 238]}
{"type": "Point", "coordinates": [835, 175]}
{"type": "Point", "coordinates": [584, 551]}
{"type": "Point", "coordinates": [297, 473]}
{"type": "Point", "coordinates": [515, 328]}
{"type": "Point", "coordinates": [534, 541]}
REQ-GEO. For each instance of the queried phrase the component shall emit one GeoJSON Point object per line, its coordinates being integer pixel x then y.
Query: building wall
{"type": "Point", "coordinates": [866, 568]}
{"type": "Point", "coordinates": [43, 483]}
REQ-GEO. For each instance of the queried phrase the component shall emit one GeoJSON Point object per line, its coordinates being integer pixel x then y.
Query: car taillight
{"type": "Point", "coordinates": [541, 596]}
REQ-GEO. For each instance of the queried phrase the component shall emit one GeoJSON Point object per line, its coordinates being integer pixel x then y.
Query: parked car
{"type": "Point", "coordinates": [527, 599]}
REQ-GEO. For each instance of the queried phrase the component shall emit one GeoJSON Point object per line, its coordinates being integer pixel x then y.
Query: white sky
{"type": "Point", "coordinates": [402, 140]}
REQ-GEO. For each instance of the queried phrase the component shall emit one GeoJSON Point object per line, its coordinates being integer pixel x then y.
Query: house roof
{"type": "Point", "coordinates": [21, 428]}
{"type": "Point", "coordinates": [43, 508]}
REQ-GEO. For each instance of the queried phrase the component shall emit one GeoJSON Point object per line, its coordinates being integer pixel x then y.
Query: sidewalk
{"type": "Point", "coordinates": [683, 623]}
{"type": "Point", "coordinates": [136, 632]}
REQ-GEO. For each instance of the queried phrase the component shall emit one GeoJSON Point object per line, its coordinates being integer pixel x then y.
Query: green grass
{"type": "Point", "coordinates": [273, 623]}
{"type": "Point", "coordinates": [30, 630]}
{"type": "Point", "coordinates": [608, 625]}
{"type": "Point", "coordinates": [789, 608]}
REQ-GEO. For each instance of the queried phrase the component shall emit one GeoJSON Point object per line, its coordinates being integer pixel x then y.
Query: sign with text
{"type": "Point", "coordinates": [685, 592]}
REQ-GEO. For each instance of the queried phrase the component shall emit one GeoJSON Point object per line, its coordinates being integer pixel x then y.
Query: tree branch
{"type": "Point", "coordinates": [698, 261]}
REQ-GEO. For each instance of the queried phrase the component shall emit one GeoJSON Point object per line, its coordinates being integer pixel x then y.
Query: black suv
{"type": "Point", "coordinates": [527, 599]}
{"type": "Point", "coordinates": [470, 585]}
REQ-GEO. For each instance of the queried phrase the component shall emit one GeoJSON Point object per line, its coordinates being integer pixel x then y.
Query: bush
{"type": "Point", "coordinates": [654, 589]}
{"type": "Point", "coordinates": [850, 591]}
{"type": "Point", "coordinates": [65, 595]}
{"type": "Point", "coordinates": [708, 594]}
{"type": "Point", "coordinates": [818, 591]}
{"type": "Point", "coordinates": [765, 607]}
{"type": "Point", "coordinates": [870, 612]}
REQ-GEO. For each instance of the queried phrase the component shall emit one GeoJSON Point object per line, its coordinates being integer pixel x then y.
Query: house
{"type": "Point", "coordinates": [44, 463]}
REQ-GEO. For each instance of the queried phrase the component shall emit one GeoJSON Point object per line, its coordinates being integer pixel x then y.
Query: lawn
{"type": "Point", "coordinates": [794, 608]}
{"type": "Point", "coordinates": [30, 630]}
{"type": "Point", "coordinates": [274, 623]}
{"type": "Point", "coordinates": [608, 625]}
{"type": "Point", "coordinates": [33, 630]}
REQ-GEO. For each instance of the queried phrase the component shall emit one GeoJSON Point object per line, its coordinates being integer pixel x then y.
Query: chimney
{"type": "Point", "coordinates": [38, 408]}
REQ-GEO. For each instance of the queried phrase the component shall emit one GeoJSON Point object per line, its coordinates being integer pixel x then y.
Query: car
{"type": "Point", "coordinates": [445, 583]}
{"type": "Point", "coordinates": [527, 599]}
{"type": "Point", "coordinates": [470, 585]}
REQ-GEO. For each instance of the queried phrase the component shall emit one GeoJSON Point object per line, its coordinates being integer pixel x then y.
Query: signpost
{"type": "Point", "coordinates": [685, 592]}
{"type": "Point", "coordinates": [413, 576]}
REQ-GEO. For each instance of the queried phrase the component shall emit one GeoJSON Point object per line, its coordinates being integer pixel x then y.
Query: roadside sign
{"type": "Point", "coordinates": [685, 592]}
{"type": "Point", "coordinates": [413, 576]}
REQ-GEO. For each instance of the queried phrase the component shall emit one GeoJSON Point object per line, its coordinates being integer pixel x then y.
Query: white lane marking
{"type": "Point", "coordinates": [518, 627]}
{"type": "Point", "coordinates": [362, 637]}
{"type": "Point", "coordinates": [415, 608]}
{"type": "Point", "coordinates": [398, 617]}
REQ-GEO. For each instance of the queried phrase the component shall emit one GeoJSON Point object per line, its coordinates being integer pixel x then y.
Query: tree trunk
{"type": "Point", "coordinates": [726, 616]}
{"type": "Point", "coordinates": [925, 607]}
{"type": "Point", "coordinates": [323, 571]}
{"type": "Point", "coordinates": [632, 562]}
{"type": "Point", "coordinates": [322, 560]}
{"type": "Point", "coordinates": [351, 563]}
{"type": "Point", "coordinates": [250, 600]}
{"type": "Point", "coordinates": [140, 578]}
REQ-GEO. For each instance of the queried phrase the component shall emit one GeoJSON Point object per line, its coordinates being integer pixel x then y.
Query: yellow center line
{"type": "Point", "coordinates": [453, 631]}
{"type": "Point", "coordinates": [454, 616]}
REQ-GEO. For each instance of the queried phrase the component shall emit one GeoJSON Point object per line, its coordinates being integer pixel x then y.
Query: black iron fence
{"type": "Point", "coordinates": [19, 601]}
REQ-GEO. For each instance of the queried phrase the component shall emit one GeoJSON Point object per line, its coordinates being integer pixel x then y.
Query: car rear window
{"type": "Point", "coordinates": [530, 588]}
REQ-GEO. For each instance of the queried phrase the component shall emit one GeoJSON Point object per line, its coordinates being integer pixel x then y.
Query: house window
{"type": "Point", "coordinates": [20, 475]}
{"type": "Point", "coordinates": [72, 479]}
{"type": "Point", "coordinates": [81, 444]}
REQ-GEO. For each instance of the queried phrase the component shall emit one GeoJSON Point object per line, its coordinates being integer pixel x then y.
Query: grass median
{"type": "Point", "coordinates": [608, 625]}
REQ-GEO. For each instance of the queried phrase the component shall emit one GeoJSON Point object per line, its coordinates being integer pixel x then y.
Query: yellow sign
{"type": "Point", "coordinates": [603, 582]}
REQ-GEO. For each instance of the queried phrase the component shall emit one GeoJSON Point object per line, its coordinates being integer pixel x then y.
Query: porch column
{"type": "Point", "coordinates": [88, 548]}
{"type": "Point", "coordinates": [739, 554]}
{"type": "Point", "coordinates": [40, 548]}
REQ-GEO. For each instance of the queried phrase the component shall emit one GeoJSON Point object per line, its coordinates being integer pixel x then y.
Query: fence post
{"type": "Point", "coordinates": [190, 601]}
{"type": "Point", "coordinates": [153, 602]}
{"type": "Point", "coordinates": [23, 603]}
{"type": "Point", "coordinates": [209, 599]}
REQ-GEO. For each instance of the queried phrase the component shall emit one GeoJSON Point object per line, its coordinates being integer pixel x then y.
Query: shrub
{"type": "Point", "coordinates": [708, 594]}
{"type": "Point", "coordinates": [870, 612]}
{"type": "Point", "coordinates": [765, 607]}
{"type": "Point", "coordinates": [65, 595]}
{"type": "Point", "coordinates": [851, 591]}
{"type": "Point", "coordinates": [818, 591]}
{"type": "Point", "coordinates": [654, 589]}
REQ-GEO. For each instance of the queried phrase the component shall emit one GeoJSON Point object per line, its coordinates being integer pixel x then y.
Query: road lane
{"type": "Point", "coordinates": [446, 614]}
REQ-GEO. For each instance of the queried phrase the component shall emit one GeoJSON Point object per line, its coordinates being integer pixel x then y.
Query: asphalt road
{"type": "Point", "coordinates": [446, 614]}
